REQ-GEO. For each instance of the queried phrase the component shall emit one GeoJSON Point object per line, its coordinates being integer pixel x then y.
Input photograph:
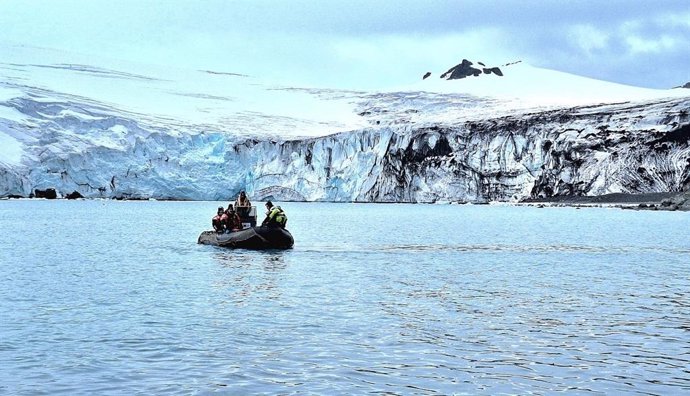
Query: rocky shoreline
{"type": "Point", "coordinates": [670, 201]}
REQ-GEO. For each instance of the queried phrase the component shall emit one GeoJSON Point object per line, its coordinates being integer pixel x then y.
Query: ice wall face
{"type": "Point", "coordinates": [581, 151]}
{"type": "Point", "coordinates": [72, 146]}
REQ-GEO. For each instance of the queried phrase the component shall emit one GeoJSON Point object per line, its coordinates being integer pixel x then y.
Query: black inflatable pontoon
{"type": "Point", "coordinates": [250, 238]}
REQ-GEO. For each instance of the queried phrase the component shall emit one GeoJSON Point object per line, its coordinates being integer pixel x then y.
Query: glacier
{"type": "Point", "coordinates": [420, 143]}
{"type": "Point", "coordinates": [586, 150]}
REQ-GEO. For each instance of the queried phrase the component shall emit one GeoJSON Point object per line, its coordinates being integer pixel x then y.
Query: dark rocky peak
{"type": "Point", "coordinates": [426, 75]}
{"type": "Point", "coordinates": [466, 69]}
{"type": "Point", "coordinates": [687, 85]}
{"type": "Point", "coordinates": [461, 70]}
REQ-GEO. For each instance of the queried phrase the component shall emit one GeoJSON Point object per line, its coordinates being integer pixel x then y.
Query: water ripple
{"type": "Point", "coordinates": [450, 248]}
{"type": "Point", "coordinates": [492, 309]}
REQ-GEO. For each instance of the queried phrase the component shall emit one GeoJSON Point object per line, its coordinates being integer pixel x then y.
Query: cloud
{"type": "Point", "coordinates": [426, 50]}
{"type": "Point", "coordinates": [628, 49]}
{"type": "Point", "coordinates": [588, 38]}
{"type": "Point", "coordinates": [675, 19]}
{"type": "Point", "coordinates": [656, 45]}
{"type": "Point", "coordinates": [402, 59]}
{"type": "Point", "coordinates": [319, 42]}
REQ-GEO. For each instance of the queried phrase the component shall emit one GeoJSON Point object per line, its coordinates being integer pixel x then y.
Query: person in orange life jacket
{"type": "Point", "coordinates": [275, 216]}
{"type": "Point", "coordinates": [242, 204]}
{"type": "Point", "coordinates": [219, 220]}
{"type": "Point", "coordinates": [233, 222]}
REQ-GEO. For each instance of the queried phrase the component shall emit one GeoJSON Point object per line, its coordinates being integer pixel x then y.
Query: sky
{"type": "Point", "coordinates": [365, 44]}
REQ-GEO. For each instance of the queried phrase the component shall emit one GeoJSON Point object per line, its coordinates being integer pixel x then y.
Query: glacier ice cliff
{"type": "Point", "coordinates": [73, 145]}
{"type": "Point", "coordinates": [631, 148]}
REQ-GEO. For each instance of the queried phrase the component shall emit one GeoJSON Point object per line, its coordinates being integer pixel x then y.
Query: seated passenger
{"type": "Point", "coordinates": [242, 204]}
{"type": "Point", "coordinates": [219, 220]}
{"type": "Point", "coordinates": [233, 222]}
{"type": "Point", "coordinates": [275, 216]}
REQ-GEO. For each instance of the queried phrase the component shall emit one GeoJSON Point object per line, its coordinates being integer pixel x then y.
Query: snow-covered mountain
{"type": "Point", "coordinates": [128, 131]}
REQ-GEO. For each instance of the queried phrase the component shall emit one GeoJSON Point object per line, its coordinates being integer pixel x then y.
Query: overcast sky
{"type": "Point", "coordinates": [367, 44]}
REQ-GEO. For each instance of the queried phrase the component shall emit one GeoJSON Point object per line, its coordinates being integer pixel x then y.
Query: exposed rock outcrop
{"type": "Point", "coordinates": [48, 193]}
{"type": "Point", "coordinates": [680, 201]}
{"type": "Point", "coordinates": [74, 195]}
{"type": "Point", "coordinates": [465, 69]}
{"type": "Point", "coordinates": [494, 70]}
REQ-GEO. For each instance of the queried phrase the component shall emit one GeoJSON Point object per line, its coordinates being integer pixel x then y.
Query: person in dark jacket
{"type": "Point", "coordinates": [242, 204]}
{"type": "Point", "coordinates": [233, 222]}
{"type": "Point", "coordinates": [219, 220]}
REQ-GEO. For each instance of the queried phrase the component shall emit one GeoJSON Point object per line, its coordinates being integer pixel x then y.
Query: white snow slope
{"type": "Point", "coordinates": [130, 131]}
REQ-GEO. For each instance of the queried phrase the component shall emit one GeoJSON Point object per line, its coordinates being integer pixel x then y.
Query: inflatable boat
{"type": "Point", "coordinates": [250, 238]}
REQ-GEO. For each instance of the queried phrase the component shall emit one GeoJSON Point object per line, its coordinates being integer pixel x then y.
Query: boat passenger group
{"type": "Point", "coordinates": [231, 219]}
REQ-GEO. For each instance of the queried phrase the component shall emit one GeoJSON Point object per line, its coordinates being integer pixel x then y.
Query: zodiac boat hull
{"type": "Point", "coordinates": [257, 238]}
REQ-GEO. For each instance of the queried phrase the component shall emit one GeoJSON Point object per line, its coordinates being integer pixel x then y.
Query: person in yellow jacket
{"type": "Point", "coordinates": [275, 216]}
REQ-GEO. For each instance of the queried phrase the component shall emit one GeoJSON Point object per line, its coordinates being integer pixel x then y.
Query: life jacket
{"type": "Point", "coordinates": [277, 215]}
{"type": "Point", "coordinates": [233, 221]}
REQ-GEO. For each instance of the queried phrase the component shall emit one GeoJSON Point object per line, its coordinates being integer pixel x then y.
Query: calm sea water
{"type": "Point", "coordinates": [107, 297]}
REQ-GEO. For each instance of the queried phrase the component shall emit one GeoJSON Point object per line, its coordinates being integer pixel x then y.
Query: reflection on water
{"type": "Point", "coordinates": [466, 300]}
{"type": "Point", "coordinates": [244, 273]}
